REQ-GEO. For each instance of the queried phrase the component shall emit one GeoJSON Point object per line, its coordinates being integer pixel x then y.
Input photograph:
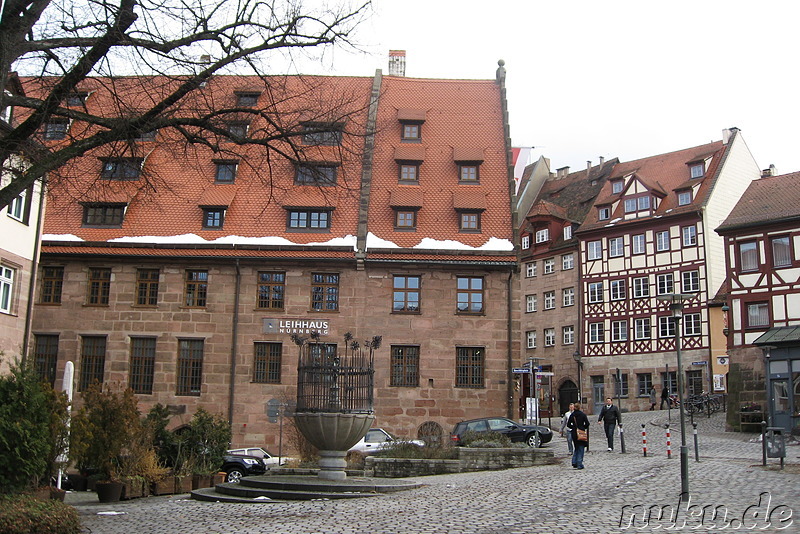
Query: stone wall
{"type": "Point", "coordinates": [469, 459]}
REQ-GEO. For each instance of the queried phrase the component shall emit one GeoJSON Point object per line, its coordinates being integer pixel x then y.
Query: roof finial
{"type": "Point", "coordinates": [501, 71]}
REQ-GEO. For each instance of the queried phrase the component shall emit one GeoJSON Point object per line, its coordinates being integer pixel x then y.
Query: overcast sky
{"type": "Point", "coordinates": [625, 79]}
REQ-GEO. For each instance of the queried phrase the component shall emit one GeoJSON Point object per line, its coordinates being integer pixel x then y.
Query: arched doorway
{"type": "Point", "coordinates": [567, 392]}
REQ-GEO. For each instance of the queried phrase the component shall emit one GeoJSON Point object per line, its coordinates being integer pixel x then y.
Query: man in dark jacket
{"type": "Point", "coordinates": [609, 415]}
{"type": "Point", "coordinates": [576, 421]}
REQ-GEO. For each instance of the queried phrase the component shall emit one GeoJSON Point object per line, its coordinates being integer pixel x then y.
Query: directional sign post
{"type": "Point", "coordinates": [518, 370]}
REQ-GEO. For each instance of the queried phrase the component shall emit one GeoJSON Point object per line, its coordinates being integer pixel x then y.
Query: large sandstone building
{"type": "Point", "coordinates": [181, 271]}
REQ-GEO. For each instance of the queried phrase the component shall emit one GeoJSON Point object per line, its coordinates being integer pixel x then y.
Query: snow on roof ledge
{"type": "Point", "coordinates": [194, 239]}
{"type": "Point", "coordinates": [493, 244]}
{"type": "Point", "coordinates": [60, 237]}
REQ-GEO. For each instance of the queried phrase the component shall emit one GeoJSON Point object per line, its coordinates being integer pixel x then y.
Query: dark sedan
{"type": "Point", "coordinates": [531, 435]}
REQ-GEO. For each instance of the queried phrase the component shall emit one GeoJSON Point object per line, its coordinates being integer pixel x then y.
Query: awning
{"type": "Point", "coordinates": [784, 334]}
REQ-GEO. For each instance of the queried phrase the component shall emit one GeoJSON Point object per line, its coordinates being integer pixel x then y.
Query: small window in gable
{"type": "Point", "coordinates": [684, 198]}
{"type": "Point", "coordinates": [604, 213]}
{"type": "Point", "coordinates": [697, 170]}
{"type": "Point", "coordinates": [526, 241]}
{"type": "Point", "coordinates": [542, 235]}
{"type": "Point", "coordinates": [247, 100]}
{"type": "Point", "coordinates": [567, 233]}
{"type": "Point", "coordinates": [616, 186]}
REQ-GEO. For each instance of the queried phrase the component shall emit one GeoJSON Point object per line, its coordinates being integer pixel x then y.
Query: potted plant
{"type": "Point", "coordinates": [104, 430]}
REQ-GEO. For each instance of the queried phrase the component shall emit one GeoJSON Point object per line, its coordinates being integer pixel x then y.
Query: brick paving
{"type": "Point", "coordinates": [554, 498]}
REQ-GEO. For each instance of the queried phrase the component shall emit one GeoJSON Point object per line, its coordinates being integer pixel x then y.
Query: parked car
{"type": "Point", "coordinates": [259, 452]}
{"type": "Point", "coordinates": [237, 466]}
{"type": "Point", "coordinates": [378, 439]}
{"type": "Point", "coordinates": [531, 435]}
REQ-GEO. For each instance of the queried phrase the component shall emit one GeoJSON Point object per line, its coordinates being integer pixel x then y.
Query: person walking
{"type": "Point", "coordinates": [578, 421]}
{"type": "Point", "coordinates": [564, 421]}
{"type": "Point", "coordinates": [652, 398]}
{"type": "Point", "coordinates": [664, 397]}
{"type": "Point", "coordinates": [610, 417]}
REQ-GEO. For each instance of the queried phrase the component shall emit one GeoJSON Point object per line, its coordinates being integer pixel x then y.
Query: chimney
{"type": "Point", "coordinates": [397, 62]}
{"type": "Point", "coordinates": [771, 171]}
{"type": "Point", "coordinates": [588, 164]}
{"type": "Point", "coordinates": [727, 133]}
{"type": "Point", "coordinates": [562, 172]}
{"type": "Point", "coordinates": [602, 160]}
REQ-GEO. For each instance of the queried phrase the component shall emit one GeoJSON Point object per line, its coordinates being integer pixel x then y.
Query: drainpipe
{"type": "Point", "coordinates": [509, 351]}
{"type": "Point", "coordinates": [234, 335]}
{"type": "Point", "coordinates": [34, 269]}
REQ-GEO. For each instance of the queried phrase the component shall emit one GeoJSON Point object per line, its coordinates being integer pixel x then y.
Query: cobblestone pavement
{"type": "Point", "coordinates": [554, 498]}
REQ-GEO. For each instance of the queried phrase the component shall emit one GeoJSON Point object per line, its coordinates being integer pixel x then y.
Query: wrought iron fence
{"type": "Point", "coordinates": [335, 383]}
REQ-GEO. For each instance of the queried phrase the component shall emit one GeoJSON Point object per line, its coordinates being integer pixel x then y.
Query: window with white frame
{"type": "Point", "coordinates": [549, 300]}
{"type": "Point", "coordinates": [549, 266]}
{"type": "Point", "coordinates": [641, 328]}
{"type": "Point", "coordinates": [617, 288]}
{"type": "Point", "coordinates": [596, 333]}
{"type": "Point", "coordinates": [684, 198]}
{"type": "Point", "coordinates": [530, 269]}
{"type": "Point", "coordinates": [17, 208]}
{"type": "Point", "coordinates": [596, 292]}
{"type": "Point", "coordinates": [568, 335]}
{"type": "Point", "coordinates": [567, 232]}
{"type": "Point", "coordinates": [531, 339]}
{"type": "Point", "coordinates": [604, 213]}
{"type": "Point", "coordinates": [641, 203]}
{"type": "Point", "coordinates": [542, 235]}
{"type": "Point", "coordinates": [6, 288]}
{"type": "Point", "coordinates": [616, 186]}
{"type": "Point", "coordinates": [666, 326]}
{"type": "Point", "coordinates": [697, 170]}
{"type": "Point", "coordinates": [615, 247]}
{"type": "Point", "coordinates": [630, 205]}
{"type": "Point", "coordinates": [662, 241]}
{"type": "Point", "coordinates": [757, 314]}
{"type": "Point", "coordinates": [690, 281]}
{"type": "Point", "coordinates": [569, 296]}
{"type": "Point", "coordinates": [638, 244]}
{"type": "Point", "coordinates": [530, 303]}
{"type": "Point", "coordinates": [619, 330]}
{"type": "Point", "coordinates": [691, 324]}
{"type": "Point", "coordinates": [641, 287]}
{"type": "Point", "coordinates": [665, 284]}
{"type": "Point", "coordinates": [549, 337]}
{"type": "Point", "coordinates": [526, 241]}
{"type": "Point", "coordinates": [567, 262]}
{"type": "Point", "coordinates": [781, 251]}
{"type": "Point", "coordinates": [594, 250]}
{"type": "Point", "coordinates": [689, 235]}
{"type": "Point", "coordinates": [748, 256]}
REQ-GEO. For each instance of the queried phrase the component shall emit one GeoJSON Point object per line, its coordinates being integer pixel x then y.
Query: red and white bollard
{"type": "Point", "coordinates": [644, 441]}
{"type": "Point", "coordinates": [669, 446]}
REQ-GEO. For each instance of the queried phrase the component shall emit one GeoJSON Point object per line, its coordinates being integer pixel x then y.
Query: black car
{"type": "Point", "coordinates": [237, 466]}
{"type": "Point", "coordinates": [531, 435]}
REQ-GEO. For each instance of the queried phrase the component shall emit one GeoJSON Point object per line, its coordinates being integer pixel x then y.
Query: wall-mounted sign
{"type": "Point", "coordinates": [295, 326]}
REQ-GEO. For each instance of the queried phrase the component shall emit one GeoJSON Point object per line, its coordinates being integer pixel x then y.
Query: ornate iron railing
{"type": "Point", "coordinates": [329, 382]}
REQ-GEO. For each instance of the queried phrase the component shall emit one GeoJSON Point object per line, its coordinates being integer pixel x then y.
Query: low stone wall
{"type": "Point", "coordinates": [469, 459]}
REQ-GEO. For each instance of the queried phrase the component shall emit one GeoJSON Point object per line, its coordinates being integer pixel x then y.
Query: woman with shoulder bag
{"type": "Point", "coordinates": [579, 426]}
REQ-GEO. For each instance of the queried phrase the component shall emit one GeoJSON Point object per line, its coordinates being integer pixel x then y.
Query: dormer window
{"type": "Point", "coordinates": [616, 186]}
{"type": "Point", "coordinates": [526, 241]}
{"type": "Point", "coordinates": [226, 172]}
{"type": "Point", "coordinates": [567, 232]}
{"type": "Point", "coordinates": [543, 235]}
{"type": "Point", "coordinates": [237, 129]}
{"type": "Point", "coordinates": [684, 198]}
{"type": "Point", "coordinates": [322, 133]}
{"type": "Point", "coordinates": [409, 172]}
{"type": "Point", "coordinates": [97, 215]}
{"type": "Point", "coordinates": [75, 100]}
{"type": "Point", "coordinates": [247, 100]}
{"type": "Point", "coordinates": [121, 168]}
{"type": "Point", "coordinates": [470, 221]}
{"type": "Point", "coordinates": [56, 129]}
{"type": "Point", "coordinates": [411, 132]}
{"type": "Point", "coordinates": [405, 219]}
{"type": "Point", "coordinates": [635, 204]}
{"type": "Point", "coordinates": [315, 174]}
{"type": "Point", "coordinates": [604, 213]}
{"type": "Point", "coordinates": [697, 170]}
{"type": "Point", "coordinates": [411, 121]}
{"type": "Point", "coordinates": [213, 217]}
{"type": "Point", "coordinates": [468, 173]}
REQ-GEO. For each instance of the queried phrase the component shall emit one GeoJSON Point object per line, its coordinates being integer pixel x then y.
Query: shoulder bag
{"type": "Point", "coordinates": [583, 435]}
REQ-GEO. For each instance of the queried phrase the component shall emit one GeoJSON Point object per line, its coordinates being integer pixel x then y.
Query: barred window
{"type": "Point", "coordinates": [469, 367]}
{"type": "Point", "coordinates": [621, 385]}
{"type": "Point", "coordinates": [325, 292]}
{"type": "Point", "coordinates": [46, 357]}
{"type": "Point", "coordinates": [99, 286]}
{"type": "Point", "coordinates": [195, 289]}
{"type": "Point", "coordinates": [52, 283]}
{"type": "Point", "coordinates": [405, 366]}
{"type": "Point", "coordinates": [147, 287]}
{"type": "Point", "coordinates": [190, 367]}
{"type": "Point", "coordinates": [267, 363]}
{"type": "Point", "coordinates": [143, 359]}
{"type": "Point", "coordinates": [271, 290]}
{"type": "Point", "coordinates": [93, 361]}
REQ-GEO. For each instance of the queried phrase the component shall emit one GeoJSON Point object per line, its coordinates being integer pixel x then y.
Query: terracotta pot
{"type": "Point", "coordinates": [109, 491]}
{"type": "Point", "coordinates": [219, 478]}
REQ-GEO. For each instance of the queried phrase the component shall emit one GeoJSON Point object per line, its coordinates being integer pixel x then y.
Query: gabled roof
{"type": "Point", "coordinates": [768, 200]}
{"type": "Point", "coordinates": [663, 174]}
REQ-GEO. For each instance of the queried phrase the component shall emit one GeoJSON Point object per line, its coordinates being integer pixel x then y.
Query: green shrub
{"type": "Point", "coordinates": [485, 439]}
{"type": "Point", "coordinates": [206, 442]}
{"type": "Point", "coordinates": [24, 429]}
{"type": "Point", "coordinates": [25, 514]}
{"type": "Point", "coordinates": [404, 449]}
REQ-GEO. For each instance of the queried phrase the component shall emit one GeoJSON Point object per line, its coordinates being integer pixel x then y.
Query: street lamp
{"type": "Point", "coordinates": [676, 301]}
{"type": "Point", "coordinates": [577, 357]}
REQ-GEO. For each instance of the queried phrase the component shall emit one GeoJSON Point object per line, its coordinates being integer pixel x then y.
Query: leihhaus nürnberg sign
{"type": "Point", "coordinates": [295, 326]}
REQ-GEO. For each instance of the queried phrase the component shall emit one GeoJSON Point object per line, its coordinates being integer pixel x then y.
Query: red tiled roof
{"type": "Point", "coordinates": [409, 152]}
{"type": "Point", "coordinates": [408, 114]}
{"type": "Point", "coordinates": [218, 195]}
{"type": "Point", "coordinates": [406, 197]}
{"type": "Point", "coordinates": [467, 154]}
{"type": "Point", "coordinates": [469, 199]}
